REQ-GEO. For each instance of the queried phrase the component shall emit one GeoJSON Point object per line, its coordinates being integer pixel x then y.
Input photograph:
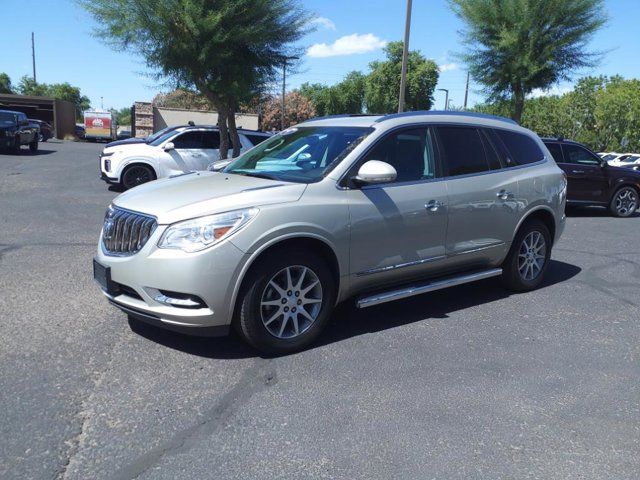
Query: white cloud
{"type": "Point", "coordinates": [347, 45]}
{"type": "Point", "coordinates": [323, 22]}
{"type": "Point", "coordinates": [551, 91]}
{"type": "Point", "coordinates": [447, 67]}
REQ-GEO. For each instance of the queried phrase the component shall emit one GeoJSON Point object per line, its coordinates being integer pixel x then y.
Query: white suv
{"type": "Point", "coordinates": [178, 151]}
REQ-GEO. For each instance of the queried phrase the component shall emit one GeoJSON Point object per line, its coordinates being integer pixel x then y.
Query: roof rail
{"type": "Point", "coordinates": [341, 115]}
{"type": "Point", "coordinates": [446, 112]}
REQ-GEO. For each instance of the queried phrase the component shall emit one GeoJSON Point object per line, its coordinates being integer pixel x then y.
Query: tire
{"type": "Point", "coordinates": [16, 147]}
{"type": "Point", "coordinates": [523, 270]}
{"type": "Point", "coordinates": [624, 202]}
{"type": "Point", "coordinates": [135, 175]}
{"type": "Point", "coordinates": [268, 318]}
{"type": "Point", "coordinates": [41, 137]}
{"type": "Point", "coordinates": [33, 146]}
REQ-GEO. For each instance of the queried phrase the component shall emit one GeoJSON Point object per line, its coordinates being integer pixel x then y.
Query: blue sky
{"type": "Point", "coordinates": [67, 51]}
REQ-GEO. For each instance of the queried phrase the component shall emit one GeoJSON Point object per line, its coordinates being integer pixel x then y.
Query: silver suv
{"type": "Point", "coordinates": [375, 208]}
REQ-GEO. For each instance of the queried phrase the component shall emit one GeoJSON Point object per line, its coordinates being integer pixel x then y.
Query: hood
{"type": "Point", "coordinates": [139, 148]}
{"type": "Point", "coordinates": [127, 141]}
{"type": "Point", "coordinates": [204, 193]}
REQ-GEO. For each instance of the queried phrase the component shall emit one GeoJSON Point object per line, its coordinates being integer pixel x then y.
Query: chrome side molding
{"type": "Point", "coordinates": [418, 289]}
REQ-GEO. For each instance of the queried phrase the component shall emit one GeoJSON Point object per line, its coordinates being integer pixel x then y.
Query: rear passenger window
{"type": "Point", "coordinates": [555, 151]}
{"type": "Point", "coordinates": [522, 148]}
{"type": "Point", "coordinates": [211, 140]}
{"type": "Point", "coordinates": [490, 151]}
{"type": "Point", "coordinates": [463, 150]}
{"type": "Point", "coordinates": [256, 139]}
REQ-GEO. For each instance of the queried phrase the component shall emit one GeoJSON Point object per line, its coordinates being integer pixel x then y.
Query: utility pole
{"type": "Point", "coordinates": [405, 55]}
{"type": "Point", "coordinates": [446, 98]}
{"type": "Point", "coordinates": [466, 92]}
{"type": "Point", "coordinates": [33, 56]}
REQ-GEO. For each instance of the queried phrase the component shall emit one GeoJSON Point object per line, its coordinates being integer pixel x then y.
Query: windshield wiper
{"type": "Point", "coordinates": [268, 176]}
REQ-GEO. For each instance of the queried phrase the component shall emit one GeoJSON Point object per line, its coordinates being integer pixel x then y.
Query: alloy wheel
{"type": "Point", "coordinates": [626, 201]}
{"type": "Point", "coordinates": [137, 176]}
{"type": "Point", "coordinates": [291, 302]}
{"type": "Point", "coordinates": [532, 255]}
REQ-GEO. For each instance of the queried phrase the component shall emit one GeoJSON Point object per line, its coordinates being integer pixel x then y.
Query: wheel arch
{"type": "Point", "coordinates": [543, 213]}
{"type": "Point", "coordinates": [134, 162]}
{"type": "Point", "coordinates": [310, 241]}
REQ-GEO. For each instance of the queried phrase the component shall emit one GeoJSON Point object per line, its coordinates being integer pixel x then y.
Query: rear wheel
{"type": "Point", "coordinates": [137, 175]}
{"type": "Point", "coordinates": [624, 202]}
{"type": "Point", "coordinates": [528, 258]}
{"type": "Point", "coordinates": [286, 302]}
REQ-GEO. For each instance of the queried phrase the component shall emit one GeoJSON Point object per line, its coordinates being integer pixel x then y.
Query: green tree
{"type": "Point", "coordinates": [5, 83]}
{"type": "Point", "coordinates": [319, 95]}
{"type": "Point", "coordinates": [516, 46]}
{"type": "Point", "coordinates": [182, 98]}
{"type": "Point", "coordinates": [617, 116]}
{"type": "Point", "coordinates": [65, 91]}
{"type": "Point", "coordinates": [226, 49]}
{"type": "Point", "coordinates": [123, 116]}
{"type": "Point", "coordinates": [382, 85]}
{"type": "Point", "coordinates": [27, 86]}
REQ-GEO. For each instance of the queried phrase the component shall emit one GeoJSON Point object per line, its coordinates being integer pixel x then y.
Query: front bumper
{"type": "Point", "coordinates": [211, 275]}
{"type": "Point", "coordinates": [103, 176]}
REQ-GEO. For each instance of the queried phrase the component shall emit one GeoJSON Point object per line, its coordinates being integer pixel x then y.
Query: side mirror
{"type": "Point", "coordinates": [603, 163]}
{"type": "Point", "coordinates": [375, 171]}
{"type": "Point", "coordinates": [169, 146]}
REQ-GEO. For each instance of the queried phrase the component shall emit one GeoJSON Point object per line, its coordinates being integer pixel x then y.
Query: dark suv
{"type": "Point", "coordinates": [592, 182]}
{"type": "Point", "coordinates": [16, 131]}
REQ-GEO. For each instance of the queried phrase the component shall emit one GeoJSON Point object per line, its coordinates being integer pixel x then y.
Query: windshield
{"type": "Point", "coordinates": [158, 134]}
{"type": "Point", "coordinates": [299, 154]}
{"type": "Point", "coordinates": [163, 138]}
{"type": "Point", "coordinates": [7, 118]}
{"type": "Point", "coordinates": [611, 156]}
{"type": "Point", "coordinates": [630, 159]}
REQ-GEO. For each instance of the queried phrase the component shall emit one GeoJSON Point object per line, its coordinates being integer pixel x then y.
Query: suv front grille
{"type": "Point", "coordinates": [124, 232]}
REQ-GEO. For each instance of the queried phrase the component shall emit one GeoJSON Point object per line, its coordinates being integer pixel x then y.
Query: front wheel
{"type": "Point", "coordinates": [528, 258]}
{"type": "Point", "coordinates": [137, 175]}
{"type": "Point", "coordinates": [286, 302]}
{"type": "Point", "coordinates": [33, 146]}
{"type": "Point", "coordinates": [625, 202]}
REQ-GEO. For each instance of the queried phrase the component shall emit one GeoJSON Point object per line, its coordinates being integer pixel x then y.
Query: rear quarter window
{"type": "Point", "coordinates": [522, 149]}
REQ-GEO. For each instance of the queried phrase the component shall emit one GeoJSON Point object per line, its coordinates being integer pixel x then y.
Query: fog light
{"type": "Point", "coordinates": [180, 300]}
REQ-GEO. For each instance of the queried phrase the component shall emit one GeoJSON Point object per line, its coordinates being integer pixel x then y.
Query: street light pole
{"type": "Point", "coordinates": [446, 98]}
{"type": "Point", "coordinates": [405, 55]}
{"type": "Point", "coordinates": [33, 55]}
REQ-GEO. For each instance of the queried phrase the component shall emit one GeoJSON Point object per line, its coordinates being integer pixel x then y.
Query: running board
{"type": "Point", "coordinates": [405, 292]}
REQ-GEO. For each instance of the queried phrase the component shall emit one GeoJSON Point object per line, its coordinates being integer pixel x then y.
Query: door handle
{"type": "Point", "coordinates": [433, 205]}
{"type": "Point", "coordinates": [504, 195]}
{"type": "Point", "coordinates": [577, 171]}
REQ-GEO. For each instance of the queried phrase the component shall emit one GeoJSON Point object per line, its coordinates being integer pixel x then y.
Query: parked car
{"type": "Point", "coordinates": [625, 160]}
{"type": "Point", "coordinates": [15, 131]}
{"type": "Point", "coordinates": [46, 130]}
{"type": "Point", "coordinates": [124, 134]}
{"type": "Point", "coordinates": [378, 208]}
{"type": "Point", "coordinates": [177, 151]}
{"type": "Point", "coordinates": [79, 132]}
{"type": "Point", "coordinates": [593, 181]}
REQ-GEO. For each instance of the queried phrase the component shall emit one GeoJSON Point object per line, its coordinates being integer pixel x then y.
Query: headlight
{"type": "Point", "coordinates": [199, 233]}
{"type": "Point", "coordinates": [106, 154]}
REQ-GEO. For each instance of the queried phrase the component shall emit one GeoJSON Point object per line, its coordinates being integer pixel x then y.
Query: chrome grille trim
{"type": "Point", "coordinates": [125, 232]}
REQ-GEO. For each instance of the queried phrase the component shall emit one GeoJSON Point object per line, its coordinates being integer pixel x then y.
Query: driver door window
{"type": "Point", "coordinates": [188, 140]}
{"type": "Point", "coordinates": [578, 155]}
{"type": "Point", "coordinates": [410, 152]}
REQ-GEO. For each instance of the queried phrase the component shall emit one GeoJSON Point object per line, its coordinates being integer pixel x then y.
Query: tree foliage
{"type": "Point", "coordinates": [60, 91]}
{"type": "Point", "coordinates": [182, 98]}
{"type": "Point", "coordinates": [5, 84]}
{"type": "Point", "coordinates": [516, 46]}
{"type": "Point", "coordinates": [298, 108]}
{"type": "Point", "coordinates": [226, 49]}
{"type": "Point", "coordinates": [123, 116]}
{"type": "Point", "coordinates": [378, 90]}
{"type": "Point", "coordinates": [382, 85]}
{"type": "Point", "coordinates": [600, 112]}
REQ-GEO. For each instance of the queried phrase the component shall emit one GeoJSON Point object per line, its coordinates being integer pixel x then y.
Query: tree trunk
{"type": "Point", "coordinates": [233, 131]}
{"type": "Point", "coordinates": [518, 102]}
{"type": "Point", "coordinates": [224, 132]}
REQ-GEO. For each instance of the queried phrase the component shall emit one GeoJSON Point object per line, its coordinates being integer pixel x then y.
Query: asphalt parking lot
{"type": "Point", "coordinates": [471, 382]}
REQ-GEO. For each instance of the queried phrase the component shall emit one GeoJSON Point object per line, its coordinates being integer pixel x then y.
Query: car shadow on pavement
{"type": "Point", "coordinates": [348, 321]}
{"type": "Point", "coordinates": [593, 211]}
{"type": "Point", "coordinates": [27, 153]}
